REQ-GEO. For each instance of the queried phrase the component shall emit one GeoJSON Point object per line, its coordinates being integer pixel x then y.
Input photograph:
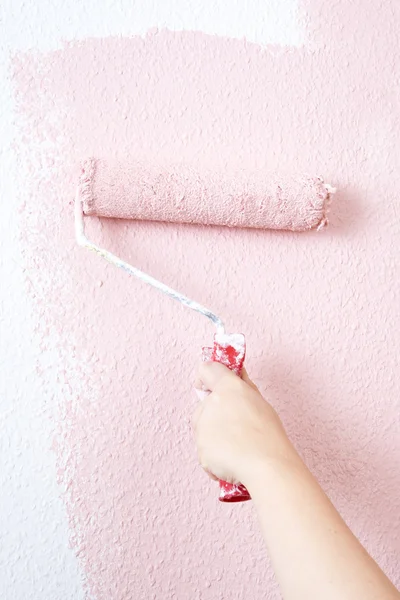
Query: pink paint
{"type": "Point", "coordinates": [180, 193]}
{"type": "Point", "coordinates": [320, 312]}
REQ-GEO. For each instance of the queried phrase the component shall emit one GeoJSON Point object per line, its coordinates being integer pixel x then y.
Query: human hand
{"type": "Point", "coordinates": [240, 439]}
{"type": "Point", "coordinates": [235, 428]}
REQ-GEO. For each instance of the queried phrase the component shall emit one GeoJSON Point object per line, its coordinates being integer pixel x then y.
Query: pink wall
{"type": "Point", "coordinates": [320, 311]}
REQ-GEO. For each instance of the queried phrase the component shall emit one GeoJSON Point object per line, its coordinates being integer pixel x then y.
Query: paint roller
{"type": "Point", "coordinates": [178, 193]}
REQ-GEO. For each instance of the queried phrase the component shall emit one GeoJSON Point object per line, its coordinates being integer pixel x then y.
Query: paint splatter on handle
{"type": "Point", "coordinates": [229, 350]}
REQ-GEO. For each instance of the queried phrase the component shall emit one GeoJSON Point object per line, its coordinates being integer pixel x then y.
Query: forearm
{"type": "Point", "coordinates": [240, 437]}
{"type": "Point", "coordinates": [314, 553]}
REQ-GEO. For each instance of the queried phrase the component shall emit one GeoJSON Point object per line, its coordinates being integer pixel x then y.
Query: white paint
{"type": "Point", "coordinates": [45, 24]}
{"type": "Point", "coordinates": [35, 560]}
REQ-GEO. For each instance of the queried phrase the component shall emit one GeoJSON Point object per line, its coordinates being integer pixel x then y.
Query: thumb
{"type": "Point", "coordinates": [212, 373]}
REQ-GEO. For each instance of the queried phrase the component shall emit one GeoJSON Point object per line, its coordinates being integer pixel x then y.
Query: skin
{"type": "Point", "coordinates": [240, 438]}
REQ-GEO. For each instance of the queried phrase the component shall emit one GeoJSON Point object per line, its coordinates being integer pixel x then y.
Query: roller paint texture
{"type": "Point", "coordinates": [151, 191]}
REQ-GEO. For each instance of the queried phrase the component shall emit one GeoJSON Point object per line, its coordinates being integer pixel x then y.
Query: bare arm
{"type": "Point", "coordinates": [315, 555]}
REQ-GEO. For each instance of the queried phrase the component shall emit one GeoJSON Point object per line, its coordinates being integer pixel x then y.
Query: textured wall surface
{"type": "Point", "coordinates": [103, 497]}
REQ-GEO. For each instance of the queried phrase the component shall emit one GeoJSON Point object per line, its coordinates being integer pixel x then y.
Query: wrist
{"type": "Point", "coordinates": [263, 470]}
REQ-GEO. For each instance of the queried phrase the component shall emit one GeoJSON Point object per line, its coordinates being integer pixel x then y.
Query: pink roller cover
{"type": "Point", "coordinates": [178, 193]}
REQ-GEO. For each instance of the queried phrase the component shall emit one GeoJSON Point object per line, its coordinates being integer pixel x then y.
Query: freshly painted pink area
{"type": "Point", "coordinates": [320, 310]}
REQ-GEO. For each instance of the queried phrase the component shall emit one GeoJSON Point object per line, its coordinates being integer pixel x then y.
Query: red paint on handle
{"type": "Point", "coordinates": [230, 351]}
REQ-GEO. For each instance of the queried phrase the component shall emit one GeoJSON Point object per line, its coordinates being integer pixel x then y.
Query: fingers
{"type": "Point", "coordinates": [247, 379]}
{"type": "Point", "coordinates": [211, 475]}
{"type": "Point", "coordinates": [211, 373]}
{"type": "Point", "coordinates": [201, 394]}
{"type": "Point", "coordinates": [198, 385]}
{"type": "Point", "coordinates": [197, 414]}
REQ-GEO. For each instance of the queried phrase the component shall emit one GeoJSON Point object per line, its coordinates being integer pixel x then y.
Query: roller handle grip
{"type": "Point", "coordinates": [230, 351]}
